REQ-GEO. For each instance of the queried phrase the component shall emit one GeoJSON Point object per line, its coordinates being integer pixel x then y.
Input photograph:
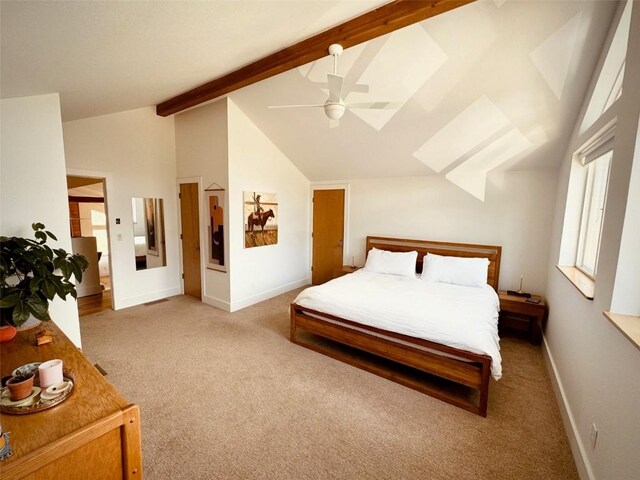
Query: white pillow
{"type": "Point", "coordinates": [394, 263]}
{"type": "Point", "coordinates": [467, 272]}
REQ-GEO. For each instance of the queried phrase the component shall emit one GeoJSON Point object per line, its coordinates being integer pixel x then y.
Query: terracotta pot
{"type": "Point", "coordinates": [20, 387]}
{"type": "Point", "coordinates": [7, 332]}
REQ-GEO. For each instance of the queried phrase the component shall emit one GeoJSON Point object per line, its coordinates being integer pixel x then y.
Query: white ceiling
{"type": "Point", "coordinates": [492, 85]}
{"type": "Point", "coordinates": [110, 56]}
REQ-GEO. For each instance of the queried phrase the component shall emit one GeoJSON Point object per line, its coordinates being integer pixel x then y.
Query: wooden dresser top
{"type": "Point", "coordinates": [93, 397]}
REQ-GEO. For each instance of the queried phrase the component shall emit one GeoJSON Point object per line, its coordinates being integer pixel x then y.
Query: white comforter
{"type": "Point", "coordinates": [461, 317]}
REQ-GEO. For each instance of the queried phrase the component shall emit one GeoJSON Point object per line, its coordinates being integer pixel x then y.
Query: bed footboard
{"type": "Point", "coordinates": [458, 366]}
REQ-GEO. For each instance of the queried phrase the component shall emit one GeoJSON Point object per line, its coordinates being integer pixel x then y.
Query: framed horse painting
{"type": "Point", "coordinates": [260, 219]}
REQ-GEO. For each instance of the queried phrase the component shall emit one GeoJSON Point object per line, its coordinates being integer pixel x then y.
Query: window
{"type": "Point", "coordinates": [595, 193]}
{"type": "Point", "coordinates": [585, 209]}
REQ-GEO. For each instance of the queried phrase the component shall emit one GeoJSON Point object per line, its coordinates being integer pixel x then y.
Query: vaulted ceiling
{"type": "Point", "coordinates": [491, 85]}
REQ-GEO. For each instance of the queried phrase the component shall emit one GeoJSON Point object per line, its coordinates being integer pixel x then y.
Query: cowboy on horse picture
{"type": "Point", "coordinates": [261, 226]}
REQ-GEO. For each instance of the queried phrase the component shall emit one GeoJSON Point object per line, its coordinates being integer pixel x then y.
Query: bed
{"type": "Point", "coordinates": [439, 364]}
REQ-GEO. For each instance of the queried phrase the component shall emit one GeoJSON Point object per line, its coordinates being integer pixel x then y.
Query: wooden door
{"type": "Point", "coordinates": [328, 233]}
{"type": "Point", "coordinates": [190, 222]}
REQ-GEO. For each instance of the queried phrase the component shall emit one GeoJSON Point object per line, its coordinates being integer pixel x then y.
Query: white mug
{"type": "Point", "coordinates": [50, 373]}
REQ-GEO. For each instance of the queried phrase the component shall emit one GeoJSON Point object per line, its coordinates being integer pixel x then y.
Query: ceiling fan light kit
{"type": "Point", "coordinates": [334, 111]}
{"type": "Point", "coordinates": [334, 106]}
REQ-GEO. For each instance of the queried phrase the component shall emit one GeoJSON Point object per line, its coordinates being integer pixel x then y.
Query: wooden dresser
{"type": "Point", "coordinates": [93, 434]}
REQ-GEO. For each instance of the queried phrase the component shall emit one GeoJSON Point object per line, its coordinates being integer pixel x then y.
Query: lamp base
{"type": "Point", "coordinates": [519, 293]}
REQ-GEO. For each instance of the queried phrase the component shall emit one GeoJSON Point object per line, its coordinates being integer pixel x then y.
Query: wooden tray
{"type": "Point", "coordinates": [40, 405]}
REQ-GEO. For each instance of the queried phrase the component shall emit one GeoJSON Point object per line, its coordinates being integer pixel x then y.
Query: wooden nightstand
{"type": "Point", "coordinates": [338, 272]}
{"type": "Point", "coordinates": [515, 310]}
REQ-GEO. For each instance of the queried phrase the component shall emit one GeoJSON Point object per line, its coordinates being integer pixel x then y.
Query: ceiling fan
{"type": "Point", "coordinates": [334, 106]}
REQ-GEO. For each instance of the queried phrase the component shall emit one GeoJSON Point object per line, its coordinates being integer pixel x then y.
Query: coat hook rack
{"type": "Point", "coordinates": [211, 188]}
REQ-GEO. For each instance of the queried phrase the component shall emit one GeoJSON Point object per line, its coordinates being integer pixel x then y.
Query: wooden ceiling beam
{"type": "Point", "coordinates": [373, 24]}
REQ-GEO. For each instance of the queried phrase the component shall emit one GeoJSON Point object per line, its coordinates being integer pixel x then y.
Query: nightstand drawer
{"type": "Point", "coordinates": [522, 307]}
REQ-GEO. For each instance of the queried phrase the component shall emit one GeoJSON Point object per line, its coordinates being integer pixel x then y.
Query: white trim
{"type": "Point", "coordinates": [108, 192]}
{"type": "Point", "coordinates": [261, 297]}
{"type": "Point", "coordinates": [148, 297]}
{"type": "Point", "coordinates": [345, 236]}
{"type": "Point", "coordinates": [577, 447]}
{"type": "Point", "coordinates": [598, 144]}
{"type": "Point", "coordinates": [201, 219]}
{"type": "Point", "coordinates": [584, 231]}
{"type": "Point", "coordinates": [216, 302]}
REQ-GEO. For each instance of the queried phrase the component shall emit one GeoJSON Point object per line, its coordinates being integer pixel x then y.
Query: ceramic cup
{"type": "Point", "coordinates": [50, 373]}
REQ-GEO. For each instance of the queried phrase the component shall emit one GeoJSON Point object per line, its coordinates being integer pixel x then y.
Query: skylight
{"type": "Point", "coordinates": [609, 86]}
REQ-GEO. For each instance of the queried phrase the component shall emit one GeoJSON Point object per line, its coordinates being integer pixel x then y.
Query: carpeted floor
{"type": "Point", "coordinates": [227, 396]}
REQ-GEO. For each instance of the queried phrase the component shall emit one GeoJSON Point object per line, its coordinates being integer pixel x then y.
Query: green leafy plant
{"type": "Point", "coordinates": [32, 274]}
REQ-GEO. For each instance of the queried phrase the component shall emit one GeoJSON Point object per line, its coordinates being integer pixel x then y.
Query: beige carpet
{"type": "Point", "coordinates": [227, 396]}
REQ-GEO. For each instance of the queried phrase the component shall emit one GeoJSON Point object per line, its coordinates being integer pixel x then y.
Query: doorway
{"type": "Point", "coordinates": [328, 233]}
{"type": "Point", "coordinates": [89, 226]}
{"type": "Point", "coordinates": [190, 238]}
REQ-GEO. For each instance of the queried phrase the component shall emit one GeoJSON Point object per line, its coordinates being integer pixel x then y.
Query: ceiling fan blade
{"type": "Point", "coordinates": [296, 106]}
{"type": "Point", "coordinates": [335, 86]}
{"type": "Point", "coordinates": [334, 123]}
{"type": "Point", "coordinates": [348, 87]}
{"type": "Point", "coordinates": [359, 88]}
{"type": "Point", "coordinates": [375, 105]}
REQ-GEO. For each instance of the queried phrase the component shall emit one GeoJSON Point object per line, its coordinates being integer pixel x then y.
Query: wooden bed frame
{"type": "Point", "coordinates": [467, 369]}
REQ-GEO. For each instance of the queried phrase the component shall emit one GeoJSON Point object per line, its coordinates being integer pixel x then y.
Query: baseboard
{"type": "Point", "coordinates": [85, 291]}
{"type": "Point", "coordinates": [261, 297]}
{"type": "Point", "coordinates": [577, 447]}
{"type": "Point", "coordinates": [216, 302]}
{"type": "Point", "coordinates": [146, 298]}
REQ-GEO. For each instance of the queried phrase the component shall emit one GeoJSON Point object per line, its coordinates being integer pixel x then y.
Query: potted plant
{"type": "Point", "coordinates": [32, 274]}
{"type": "Point", "coordinates": [20, 386]}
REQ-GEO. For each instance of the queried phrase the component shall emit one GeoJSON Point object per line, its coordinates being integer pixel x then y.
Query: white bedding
{"type": "Point", "coordinates": [461, 317]}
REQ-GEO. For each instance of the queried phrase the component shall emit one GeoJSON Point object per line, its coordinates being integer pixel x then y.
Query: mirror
{"type": "Point", "coordinates": [148, 233]}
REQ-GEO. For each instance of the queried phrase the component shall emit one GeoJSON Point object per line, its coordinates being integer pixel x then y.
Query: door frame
{"type": "Point", "coordinates": [201, 219]}
{"type": "Point", "coordinates": [108, 190]}
{"type": "Point", "coordinates": [345, 243]}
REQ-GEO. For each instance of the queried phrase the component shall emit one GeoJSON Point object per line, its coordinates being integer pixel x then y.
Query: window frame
{"type": "Point", "coordinates": [586, 226]}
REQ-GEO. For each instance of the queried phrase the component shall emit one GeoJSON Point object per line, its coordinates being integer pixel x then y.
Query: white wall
{"type": "Point", "coordinates": [201, 152]}
{"type": "Point", "coordinates": [135, 150]}
{"type": "Point", "coordinates": [33, 185]}
{"type": "Point", "coordinates": [596, 370]}
{"type": "Point", "coordinates": [515, 215]}
{"type": "Point", "coordinates": [256, 164]}
{"type": "Point", "coordinates": [93, 224]}
{"type": "Point", "coordinates": [626, 292]}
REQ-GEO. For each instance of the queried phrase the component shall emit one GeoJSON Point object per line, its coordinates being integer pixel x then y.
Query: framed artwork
{"type": "Point", "coordinates": [260, 219]}
{"type": "Point", "coordinates": [151, 225]}
{"type": "Point", "coordinates": [215, 228]}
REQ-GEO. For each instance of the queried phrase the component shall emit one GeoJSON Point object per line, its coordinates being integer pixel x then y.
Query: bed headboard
{"type": "Point", "coordinates": [449, 249]}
